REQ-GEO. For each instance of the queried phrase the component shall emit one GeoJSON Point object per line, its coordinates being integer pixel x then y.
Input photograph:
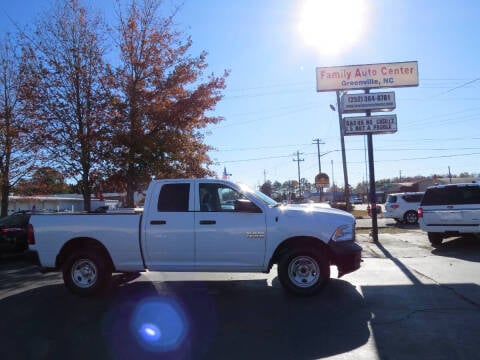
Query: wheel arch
{"type": "Point", "coordinates": [82, 243]}
{"type": "Point", "coordinates": [298, 242]}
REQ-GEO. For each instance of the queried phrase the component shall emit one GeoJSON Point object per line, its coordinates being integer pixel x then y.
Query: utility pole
{"type": "Point", "coordinates": [333, 184]}
{"type": "Point", "coordinates": [298, 165]}
{"type": "Point", "coordinates": [318, 142]}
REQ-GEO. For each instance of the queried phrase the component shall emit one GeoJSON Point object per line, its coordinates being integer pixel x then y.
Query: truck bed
{"type": "Point", "coordinates": [119, 233]}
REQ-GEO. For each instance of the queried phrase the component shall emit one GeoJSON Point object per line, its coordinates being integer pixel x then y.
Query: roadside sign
{"type": "Point", "coordinates": [368, 76]}
{"type": "Point", "coordinates": [361, 125]}
{"type": "Point", "coordinates": [382, 101]}
{"type": "Point", "coordinates": [322, 180]}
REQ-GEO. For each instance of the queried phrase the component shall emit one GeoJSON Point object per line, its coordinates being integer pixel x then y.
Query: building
{"type": "Point", "coordinates": [51, 203]}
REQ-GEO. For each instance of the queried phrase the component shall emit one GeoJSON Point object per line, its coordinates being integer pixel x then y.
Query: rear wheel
{"type": "Point", "coordinates": [303, 271]}
{"type": "Point", "coordinates": [435, 238]}
{"type": "Point", "coordinates": [86, 272]}
{"type": "Point", "coordinates": [411, 217]}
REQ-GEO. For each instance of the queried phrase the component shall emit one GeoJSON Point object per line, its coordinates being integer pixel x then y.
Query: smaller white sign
{"type": "Point", "coordinates": [382, 101]}
{"type": "Point", "coordinates": [361, 125]}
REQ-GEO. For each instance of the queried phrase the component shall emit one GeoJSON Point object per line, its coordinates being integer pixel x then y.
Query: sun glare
{"type": "Point", "coordinates": [332, 27]}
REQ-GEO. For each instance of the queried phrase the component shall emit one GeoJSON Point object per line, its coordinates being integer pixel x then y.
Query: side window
{"type": "Point", "coordinates": [413, 197]}
{"type": "Point", "coordinates": [469, 195]}
{"type": "Point", "coordinates": [218, 197]}
{"type": "Point", "coordinates": [417, 197]}
{"type": "Point", "coordinates": [173, 198]}
{"type": "Point", "coordinates": [440, 196]}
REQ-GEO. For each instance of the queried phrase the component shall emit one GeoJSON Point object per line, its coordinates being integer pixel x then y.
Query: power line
{"type": "Point", "coordinates": [361, 162]}
{"type": "Point", "coordinates": [459, 87]}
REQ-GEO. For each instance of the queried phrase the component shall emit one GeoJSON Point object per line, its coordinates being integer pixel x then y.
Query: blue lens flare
{"type": "Point", "coordinates": [150, 332]}
{"type": "Point", "coordinates": [159, 325]}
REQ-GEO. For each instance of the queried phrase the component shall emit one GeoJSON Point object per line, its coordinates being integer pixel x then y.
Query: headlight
{"type": "Point", "coordinates": [344, 232]}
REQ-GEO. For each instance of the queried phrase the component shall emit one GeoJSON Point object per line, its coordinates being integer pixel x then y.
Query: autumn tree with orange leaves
{"type": "Point", "coordinates": [161, 101]}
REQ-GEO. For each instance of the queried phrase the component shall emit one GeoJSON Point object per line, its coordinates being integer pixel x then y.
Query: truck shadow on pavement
{"type": "Point", "coordinates": [465, 248]}
{"type": "Point", "coordinates": [245, 319]}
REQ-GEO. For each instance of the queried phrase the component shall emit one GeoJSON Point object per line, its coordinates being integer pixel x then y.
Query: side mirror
{"type": "Point", "coordinates": [244, 205]}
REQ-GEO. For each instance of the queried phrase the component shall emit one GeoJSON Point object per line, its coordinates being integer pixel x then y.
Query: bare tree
{"type": "Point", "coordinates": [162, 100]}
{"type": "Point", "coordinates": [66, 91]}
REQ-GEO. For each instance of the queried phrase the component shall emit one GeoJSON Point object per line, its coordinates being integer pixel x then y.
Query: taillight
{"type": "Point", "coordinates": [30, 235]}
{"type": "Point", "coordinates": [420, 213]}
{"type": "Point", "coordinates": [395, 206]}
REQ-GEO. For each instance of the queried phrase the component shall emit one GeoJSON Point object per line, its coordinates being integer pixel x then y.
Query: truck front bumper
{"type": "Point", "coordinates": [346, 255]}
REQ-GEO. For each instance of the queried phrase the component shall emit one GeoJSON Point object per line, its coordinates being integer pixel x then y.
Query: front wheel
{"type": "Point", "coordinates": [86, 272]}
{"type": "Point", "coordinates": [303, 272]}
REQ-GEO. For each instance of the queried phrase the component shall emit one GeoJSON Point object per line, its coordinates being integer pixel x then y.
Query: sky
{"type": "Point", "coordinates": [272, 109]}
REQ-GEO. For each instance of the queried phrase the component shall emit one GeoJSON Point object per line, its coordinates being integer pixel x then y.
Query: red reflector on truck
{"type": "Point", "coordinates": [30, 235]}
{"type": "Point", "coordinates": [420, 213]}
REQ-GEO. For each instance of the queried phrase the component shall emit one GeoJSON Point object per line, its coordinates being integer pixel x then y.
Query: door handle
{"type": "Point", "coordinates": [207, 222]}
{"type": "Point", "coordinates": [158, 222]}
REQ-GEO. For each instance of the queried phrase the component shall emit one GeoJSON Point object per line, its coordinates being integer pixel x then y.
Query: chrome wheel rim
{"type": "Point", "coordinates": [303, 271]}
{"type": "Point", "coordinates": [84, 273]}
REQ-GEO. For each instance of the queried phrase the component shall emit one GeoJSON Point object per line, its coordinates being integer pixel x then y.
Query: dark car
{"type": "Point", "coordinates": [13, 232]}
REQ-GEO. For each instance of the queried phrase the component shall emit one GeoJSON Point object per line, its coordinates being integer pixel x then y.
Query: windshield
{"type": "Point", "coordinates": [258, 195]}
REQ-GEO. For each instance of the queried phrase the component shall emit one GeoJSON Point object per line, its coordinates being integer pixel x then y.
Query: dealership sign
{"type": "Point", "coordinates": [367, 76]}
{"type": "Point", "coordinates": [382, 101]}
{"type": "Point", "coordinates": [360, 125]}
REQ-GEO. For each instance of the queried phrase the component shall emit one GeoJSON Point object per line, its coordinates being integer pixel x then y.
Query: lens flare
{"type": "Point", "coordinates": [159, 325]}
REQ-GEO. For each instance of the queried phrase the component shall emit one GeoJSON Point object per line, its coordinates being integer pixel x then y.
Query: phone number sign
{"type": "Point", "coordinates": [383, 101]}
{"type": "Point", "coordinates": [361, 125]}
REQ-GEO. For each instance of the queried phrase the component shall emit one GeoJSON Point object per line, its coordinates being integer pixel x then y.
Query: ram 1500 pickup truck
{"type": "Point", "coordinates": [195, 225]}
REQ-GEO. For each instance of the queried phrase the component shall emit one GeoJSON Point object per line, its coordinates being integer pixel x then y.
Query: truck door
{"type": "Point", "coordinates": [228, 238]}
{"type": "Point", "coordinates": [169, 241]}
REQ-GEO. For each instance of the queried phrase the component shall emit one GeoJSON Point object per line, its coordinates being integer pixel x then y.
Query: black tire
{"type": "Point", "coordinates": [410, 217]}
{"type": "Point", "coordinates": [86, 272]}
{"type": "Point", "coordinates": [435, 238]}
{"type": "Point", "coordinates": [303, 271]}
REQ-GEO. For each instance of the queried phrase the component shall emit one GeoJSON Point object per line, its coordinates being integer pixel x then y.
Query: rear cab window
{"type": "Point", "coordinates": [173, 198]}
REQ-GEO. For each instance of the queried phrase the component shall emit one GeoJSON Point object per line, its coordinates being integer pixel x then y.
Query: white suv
{"type": "Point", "coordinates": [403, 207]}
{"type": "Point", "coordinates": [450, 210]}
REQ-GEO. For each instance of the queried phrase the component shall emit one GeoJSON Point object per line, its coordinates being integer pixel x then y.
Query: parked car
{"type": "Point", "coordinates": [356, 199]}
{"type": "Point", "coordinates": [13, 232]}
{"type": "Point", "coordinates": [450, 210]}
{"type": "Point", "coordinates": [403, 207]}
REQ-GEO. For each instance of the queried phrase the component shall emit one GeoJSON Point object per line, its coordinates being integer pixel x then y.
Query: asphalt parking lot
{"type": "Point", "coordinates": [408, 301]}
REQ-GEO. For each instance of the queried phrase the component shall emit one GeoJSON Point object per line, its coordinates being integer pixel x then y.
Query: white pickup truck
{"type": "Point", "coordinates": [199, 225]}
